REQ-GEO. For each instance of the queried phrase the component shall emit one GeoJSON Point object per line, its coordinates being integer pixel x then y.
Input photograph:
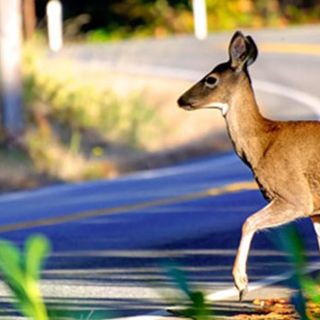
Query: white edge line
{"type": "Point", "coordinates": [226, 293]}
{"type": "Point", "coordinates": [231, 292]}
{"type": "Point", "coordinates": [150, 316]}
{"type": "Point", "coordinates": [291, 93]}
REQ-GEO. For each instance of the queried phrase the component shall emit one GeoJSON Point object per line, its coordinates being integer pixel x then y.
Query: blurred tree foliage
{"type": "Point", "coordinates": [125, 18]}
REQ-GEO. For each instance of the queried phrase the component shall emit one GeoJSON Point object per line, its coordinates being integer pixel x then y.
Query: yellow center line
{"type": "Point", "coordinates": [300, 48]}
{"type": "Point", "coordinates": [229, 188]}
{"type": "Point", "coordinates": [289, 48]}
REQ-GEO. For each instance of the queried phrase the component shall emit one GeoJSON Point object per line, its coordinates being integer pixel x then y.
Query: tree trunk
{"type": "Point", "coordinates": [29, 18]}
{"type": "Point", "coordinates": [10, 64]}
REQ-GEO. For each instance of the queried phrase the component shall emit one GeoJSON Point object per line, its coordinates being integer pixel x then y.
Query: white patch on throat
{"type": "Point", "coordinates": [224, 107]}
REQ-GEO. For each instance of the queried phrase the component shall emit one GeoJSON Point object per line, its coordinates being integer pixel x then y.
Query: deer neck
{"type": "Point", "coordinates": [247, 128]}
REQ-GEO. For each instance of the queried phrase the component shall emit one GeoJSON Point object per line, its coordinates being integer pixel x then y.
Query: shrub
{"type": "Point", "coordinates": [61, 109]}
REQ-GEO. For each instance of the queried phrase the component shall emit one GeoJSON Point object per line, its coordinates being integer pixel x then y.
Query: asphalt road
{"type": "Point", "coordinates": [112, 239]}
{"type": "Point", "coordinates": [285, 73]}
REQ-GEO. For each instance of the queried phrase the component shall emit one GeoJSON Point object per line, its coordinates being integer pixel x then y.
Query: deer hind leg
{"type": "Point", "coordinates": [316, 226]}
{"type": "Point", "coordinates": [275, 214]}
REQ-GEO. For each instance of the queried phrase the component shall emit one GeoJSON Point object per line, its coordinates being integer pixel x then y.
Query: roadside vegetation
{"type": "Point", "coordinates": [84, 123]}
{"type": "Point", "coordinates": [21, 272]}
{"type": "Point", "coordinates": [71, 124]}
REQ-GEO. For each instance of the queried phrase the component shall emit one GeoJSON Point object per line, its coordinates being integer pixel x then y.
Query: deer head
{"type": "Point", "coordinates": [218, 87]}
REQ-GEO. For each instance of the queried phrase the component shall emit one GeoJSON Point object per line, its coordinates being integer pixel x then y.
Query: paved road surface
{"type": "Point", "coordinates": [116, 236]}
{"type": "Point", "coordinates": [111, 238]}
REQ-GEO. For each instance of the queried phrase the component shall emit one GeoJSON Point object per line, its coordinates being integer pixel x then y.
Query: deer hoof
{"type": "Point", "coordinates": [241, 283]}
{"type": "Point", "coordinates": [242, 293]}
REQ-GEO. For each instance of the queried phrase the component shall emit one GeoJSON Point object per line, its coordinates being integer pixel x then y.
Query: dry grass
{"type": "Point", "coordinates": [68, 139]}
{"type": "Point", "coordinates": [177, 127]}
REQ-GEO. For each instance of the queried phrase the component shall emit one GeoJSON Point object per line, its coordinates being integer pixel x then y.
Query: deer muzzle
{"type": "Point", "coordinates": [185, 104]}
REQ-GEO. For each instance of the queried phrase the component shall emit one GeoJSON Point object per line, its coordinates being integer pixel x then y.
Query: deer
{"type": "Point", "coordinates": [284, 156]}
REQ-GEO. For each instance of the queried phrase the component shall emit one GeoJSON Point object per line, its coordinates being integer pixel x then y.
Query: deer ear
{"type": "Point", "coordinates": [252, 51]}
{"type": "Point", "coordinates": [242, 51]}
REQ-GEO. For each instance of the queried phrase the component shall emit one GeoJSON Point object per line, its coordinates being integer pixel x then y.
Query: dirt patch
{"type": "Point", "coordinates": [277, 309]}
{"type": "Point", "coordinates": [17, 172]}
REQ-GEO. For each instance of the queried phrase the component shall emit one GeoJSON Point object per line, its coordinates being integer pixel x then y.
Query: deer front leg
{"type": "Point", "coordinates": [275, 214]}
{"type": "Point", "coordinates": [316, 226]}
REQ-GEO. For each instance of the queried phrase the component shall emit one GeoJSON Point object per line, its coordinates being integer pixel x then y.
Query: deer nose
{"type": "Point", "coordinates": [182, 102]}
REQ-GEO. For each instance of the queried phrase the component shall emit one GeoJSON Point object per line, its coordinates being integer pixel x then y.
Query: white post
{"type": "Point", "coordinates": [200, 19]}
{"type": "Point", "coordinates": [54, 17]}
{"type": "Point", "coordinates": [10, 64]}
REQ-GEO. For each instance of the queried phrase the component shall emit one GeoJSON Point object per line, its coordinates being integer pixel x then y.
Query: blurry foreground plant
{"type": "Point", "coordinates": [195, 306]}
{"type": "Point", "coordinates": [307, 289]}
{"type": "Point", "coordinates": [21, 273]}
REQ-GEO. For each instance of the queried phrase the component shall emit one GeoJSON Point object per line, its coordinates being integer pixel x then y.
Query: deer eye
{"type": "Point", "coordinates": [211, 81]}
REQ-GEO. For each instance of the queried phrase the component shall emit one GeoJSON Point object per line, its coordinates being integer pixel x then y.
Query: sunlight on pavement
{"type": "Point", "coordinates": [233, 187]}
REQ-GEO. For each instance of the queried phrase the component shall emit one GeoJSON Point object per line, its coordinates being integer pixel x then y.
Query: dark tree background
{"type": "Point", "coordinates": [106, 13]}
{"type": "Point", "coordinates": [131, 14]}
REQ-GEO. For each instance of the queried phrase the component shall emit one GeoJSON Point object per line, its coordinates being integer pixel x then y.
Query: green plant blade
{"type": "Point", "coordinates": [36, 250]}
{"type": "Point", "coordinates": [291, 243]}
{"type": "Point", "coordinates": [10, 263]}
